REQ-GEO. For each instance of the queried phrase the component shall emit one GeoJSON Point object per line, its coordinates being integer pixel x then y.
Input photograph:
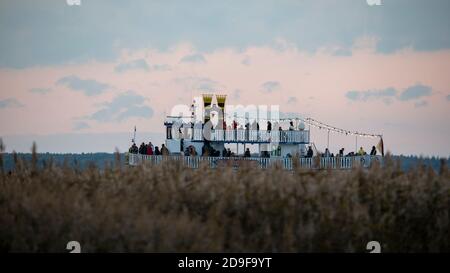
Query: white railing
{"type": "Point", "coordinates": [346, 162]}
{"type": "Point", "coordinates": [241, 135]}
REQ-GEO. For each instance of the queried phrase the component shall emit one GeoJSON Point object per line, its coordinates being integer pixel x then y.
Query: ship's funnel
{"type": "Point", "coordinates": [214, 103]}
{"type": "Point", "coordinates": [221, 101]}
{"type": "Point", "coordinates": [207, 99]}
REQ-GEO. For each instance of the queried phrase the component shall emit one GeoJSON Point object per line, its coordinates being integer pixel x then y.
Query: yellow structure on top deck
{"type": "Point", "coordinates": [211, 101]}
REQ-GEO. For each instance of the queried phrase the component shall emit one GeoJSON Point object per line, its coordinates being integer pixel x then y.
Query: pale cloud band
{"type": "Point", "coordinates": [83, 33]}
{"type": "Point", "coordinates": [414, 92]}
{"type": "Point", "coordinates": [89, 87]}
{"type": "Point", "coordinates": [124, 106]}
{"type": "Point", "coordinates": [10, 103]}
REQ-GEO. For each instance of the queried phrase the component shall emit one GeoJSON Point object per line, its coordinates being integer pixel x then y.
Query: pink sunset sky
{"type": "Point", "coordinates": [403, 94]}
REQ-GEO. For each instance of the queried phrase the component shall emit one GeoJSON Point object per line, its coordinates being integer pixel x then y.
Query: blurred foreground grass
{"type": "Point", "coordinates": [168, 208]}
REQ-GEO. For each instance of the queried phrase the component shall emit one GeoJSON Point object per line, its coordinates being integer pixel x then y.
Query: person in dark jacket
{"type": "Point", "coordinates": [247, 153]}
{"type": "Point", "coordinates": [157, 152]}
{"type": "Point", "coordinates": [247, 130]}
{"type": "Point", "coordinates": [269, 126]}
{"type": "Point", "coordinates": [142, 149]}
{"type": "Point", "coordinates": [133, 149]}
{"type": "Point", "coordinates": [373, 151]}
{"type": "Point", "coordinates": [310, 152]}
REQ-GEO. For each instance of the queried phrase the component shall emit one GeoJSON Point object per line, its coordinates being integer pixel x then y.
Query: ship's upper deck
{"type": "Point", "coordinates": [252, 136]}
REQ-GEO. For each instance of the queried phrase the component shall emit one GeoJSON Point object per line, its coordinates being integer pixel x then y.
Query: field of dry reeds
{"type": "Point", "coordinates": [169, 208]}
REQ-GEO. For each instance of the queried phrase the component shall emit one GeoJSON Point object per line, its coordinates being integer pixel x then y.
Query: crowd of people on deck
{"type": "Point", "coordinates": [327, 153]}
{"type": "Point", "coordinates": [208, 150]}
{"type": "Point", "coordinates": [148, 149]}
{"type": "Point", "coordinates": [183, 128]}
{"type": "Point", "coordinates": [255, 126]}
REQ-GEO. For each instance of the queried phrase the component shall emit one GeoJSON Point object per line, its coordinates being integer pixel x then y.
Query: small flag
{"type": "Point", "coordinates": [380, 146]}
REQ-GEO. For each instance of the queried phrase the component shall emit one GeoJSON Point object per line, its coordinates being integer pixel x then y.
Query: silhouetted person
{"type": "Point", "coordinates": [157, 151]}
{"type": "Point", "coordinates": [247, 128]}
{"type": "Point", "coordinates": [149, 149]}
{"type": "Point", "coordinates": [164, 150]}
{"type": "Point", "coordinates": [224, 152]}
{"type": "Point", "coordinates": [247, 153]}
{"type": "Point", "coordinates": [310, 152]}
{"type": "Point", "coordinates": [373, 151]}
{"type": "Point", "coordinates": [291, 126]}
{"type": "Point", "coordinates": [142, 149]}
{"type": "Point", "coordinates": [269, 126]}
{"type": "Point", "coordinates": [235, 125]}
{"type": "Point", "coordinates": [193, 152]}
{"type": "Point", "coordinates": [282, 134]}
{"type": "Point", "coordinates": [133, 149]}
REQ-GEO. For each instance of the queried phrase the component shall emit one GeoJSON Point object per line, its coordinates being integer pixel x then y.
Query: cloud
{"type": "Point", "coordinates": [89, 87]}
{"type": "Point", "coordinates": [80, 125]}
{"type": "Point", "coordinates": [389, 95]}
{"type": "Point", "coordinates": [10, 103]}
{"type": "Point", "coordinates": [139, 64]}
{"type": "Point", "coordinates": [41, 91]}
{"type": "Point", "coordinates": [415, 92]}
{"type": "Point", "coordinates": [371, 94]}
{"type": "Point", "coordinates": [123, 107]}
{"type": "Point", "coordinates": [194, 58]}
{"type": "Point", "coordinates": [270, 86]}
